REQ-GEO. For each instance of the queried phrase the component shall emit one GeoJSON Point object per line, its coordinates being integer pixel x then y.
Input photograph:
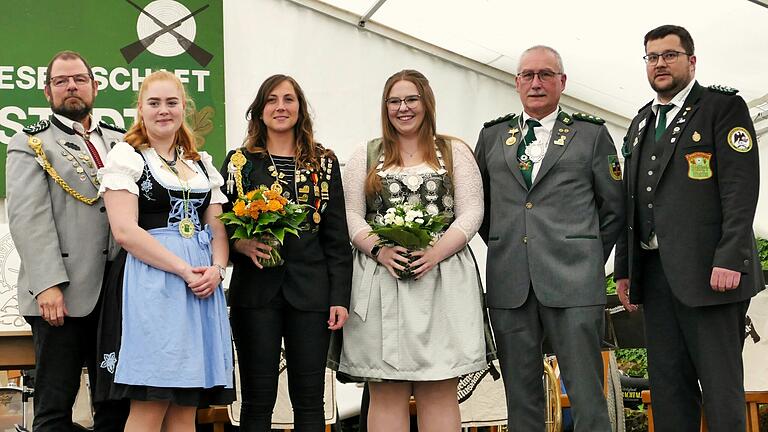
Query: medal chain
{"type": "Point", "coordinates": [185, 189]}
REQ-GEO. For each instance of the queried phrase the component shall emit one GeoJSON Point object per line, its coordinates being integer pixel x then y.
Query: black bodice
{"type": "Point", "coordinates": [162, 205]}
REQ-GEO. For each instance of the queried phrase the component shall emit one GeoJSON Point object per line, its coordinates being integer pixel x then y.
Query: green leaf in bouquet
{"type": "Point", "coordinates": [268, 217]}
{"type": "Point", "coordinates": [230, 219]}
{"type": "Point", "coordinates": [398, 235]}
{"type": "Point", "coordinates": [241, 233]}
{"type": "Point", "coordinates": [424, 237]}
{"type": "Point", "coordinates": [279, 233]}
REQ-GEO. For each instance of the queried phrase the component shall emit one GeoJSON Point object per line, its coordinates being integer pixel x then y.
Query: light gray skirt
{"type": "Point", "coordinates": [415, 330]}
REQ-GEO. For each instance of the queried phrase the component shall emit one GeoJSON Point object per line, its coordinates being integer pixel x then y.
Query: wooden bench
{"type": "Point", "coordinates": [754, 400]}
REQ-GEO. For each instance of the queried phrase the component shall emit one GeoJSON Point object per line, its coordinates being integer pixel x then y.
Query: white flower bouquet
{"type": "Point", "coordinates": [409, 226]}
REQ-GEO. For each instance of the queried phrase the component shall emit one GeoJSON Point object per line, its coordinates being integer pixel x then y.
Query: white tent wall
{"type": "Point", "coordinates": [342, 69]}
{"type": "Point", "coordinates": [761, 217]}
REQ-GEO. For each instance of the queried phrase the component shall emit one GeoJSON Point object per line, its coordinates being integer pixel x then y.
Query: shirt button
{"type": "Point", "coordinates": [525, 239]}
{"type": "Point", "coordinates": [648, 188]}
{"type": "Point", "coordinates": [653, 157]}
{"type": "Point", "coordinates": [529, 205]}
{"type": "Point", "coordinates": [650, 205]}
{"type": "Point", "coordinates": [650, 172]}
{"type": "Point", "coordinates": [103, 209]}
{"type": "Point", "coordinates": [104, 252]}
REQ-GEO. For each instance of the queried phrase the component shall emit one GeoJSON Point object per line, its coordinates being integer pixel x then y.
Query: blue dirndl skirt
{"type": "Point", "coordinates": [157, 340]}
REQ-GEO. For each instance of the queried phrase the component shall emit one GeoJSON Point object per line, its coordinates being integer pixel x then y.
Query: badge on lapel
{"type": "Point", "coordinates": [512, 139]}
{"type": "Point", "coordinates": [698, 165]}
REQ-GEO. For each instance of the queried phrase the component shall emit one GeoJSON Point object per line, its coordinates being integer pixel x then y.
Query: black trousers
{"type": "Point", "coordinates": [690, 347]}
{"type": "Point", "coordinates": [258, 333]}
{"type": "Point", "coordinates": [60, 354]}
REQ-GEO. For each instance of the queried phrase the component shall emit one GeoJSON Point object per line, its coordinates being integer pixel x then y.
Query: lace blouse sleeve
{"type": "Point", "coordinates": [468, 190]}
{"type": "Point", "coordinates": [121, 170]}
{"type": "Point", "coordinates": [214, 176]}
{"type": "Point", "coordinates": [353, 178]}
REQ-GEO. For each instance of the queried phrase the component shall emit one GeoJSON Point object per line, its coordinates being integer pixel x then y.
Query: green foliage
{"type": "Point", "coordinates": [762, 251]}
{"type": "Point", "coordinates": [634, 361]}
{"type": "Point", "coordinates": [610, 285]}
{"type": "Point", "coordinates": [636, 420]}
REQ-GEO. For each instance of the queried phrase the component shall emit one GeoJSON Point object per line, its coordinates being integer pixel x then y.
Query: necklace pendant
{"type": "Point", "coordinates": [276, 187]}
{"type": "Point", "coordinates": [316, 217]}
{"type": "Point", "coordinates": [186, 228]}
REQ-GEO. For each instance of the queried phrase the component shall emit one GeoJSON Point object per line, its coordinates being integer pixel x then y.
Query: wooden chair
{"type": "Point", "coordinates": [754, 400]}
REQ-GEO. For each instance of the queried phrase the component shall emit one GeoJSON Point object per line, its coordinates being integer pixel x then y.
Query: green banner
{"type": "Point", "coordinates": [124, 41]}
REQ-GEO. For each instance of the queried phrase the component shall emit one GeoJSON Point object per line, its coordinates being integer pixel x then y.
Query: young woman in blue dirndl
{"type": "Point", "coordinates": [164, 339]}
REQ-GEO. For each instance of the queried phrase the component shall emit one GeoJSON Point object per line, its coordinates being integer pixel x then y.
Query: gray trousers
{"type": "Point", "coordinates": [575, 336]}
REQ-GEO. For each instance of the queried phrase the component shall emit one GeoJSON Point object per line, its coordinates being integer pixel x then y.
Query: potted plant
{"type": "Point", "coordinates": [762, 252]}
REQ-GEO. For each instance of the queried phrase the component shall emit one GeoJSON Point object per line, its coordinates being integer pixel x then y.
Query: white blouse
{"type": "Point", "coordinates": [124, 167]}
{"type": "Point", "coordinates": [467, 189]}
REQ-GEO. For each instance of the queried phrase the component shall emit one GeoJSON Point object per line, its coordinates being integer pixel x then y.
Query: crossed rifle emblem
{"type": "Point", "coordinates": [201, 56]}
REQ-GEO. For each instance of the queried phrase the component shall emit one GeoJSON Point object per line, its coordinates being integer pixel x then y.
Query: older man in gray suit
{"type": "Point", "coordinates": [60, 229]}
{"type": "Point", "coordinates": [553, 211]}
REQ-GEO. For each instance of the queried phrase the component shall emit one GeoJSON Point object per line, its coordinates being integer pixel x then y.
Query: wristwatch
{"type": "Point", "coordinates": [222, 271]}
{"type": "Point", "coordinates": [375, 250]}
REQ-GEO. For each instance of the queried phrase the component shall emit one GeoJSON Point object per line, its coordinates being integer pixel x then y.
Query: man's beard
{"type": "Point", "coordinates": [673, 88]}
{"type": "Point", "coordinates": [77, 111]}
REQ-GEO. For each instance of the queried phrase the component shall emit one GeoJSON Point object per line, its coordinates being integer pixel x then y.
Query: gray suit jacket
{"type": "Point", "coordinates": [556, 236]}
{"type": "Point", "coordinates": [60, 240]}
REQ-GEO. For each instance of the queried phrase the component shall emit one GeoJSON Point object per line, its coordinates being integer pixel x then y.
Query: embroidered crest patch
{"type": "Point", "coordinates": [698, 165]}
{"type": "Point", "coordinates": [740, 140]}
{"type": "Point", "coordinates": [614, 166]}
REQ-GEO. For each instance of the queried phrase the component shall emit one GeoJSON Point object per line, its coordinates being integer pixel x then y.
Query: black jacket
{"type": "Point", "coordinates": [317, 272]}
{"type": "Point", "coordinates": [703, 216]}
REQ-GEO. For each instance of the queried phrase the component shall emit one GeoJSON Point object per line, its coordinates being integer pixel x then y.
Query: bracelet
{"type": "Point", "coordinates": [222, 271]}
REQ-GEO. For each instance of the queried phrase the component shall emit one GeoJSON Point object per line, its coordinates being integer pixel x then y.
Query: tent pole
{"type": "Point", "coordinates": [364, 19]}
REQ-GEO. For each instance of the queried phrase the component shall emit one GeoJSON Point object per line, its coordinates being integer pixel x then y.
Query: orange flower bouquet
{"type": "Point", "coordinates": [266, 215]}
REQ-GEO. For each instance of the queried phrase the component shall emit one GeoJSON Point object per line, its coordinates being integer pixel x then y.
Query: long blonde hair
{"type": "Point", "coordinates": [137, 134]}
{"type": "Point", "coordinates": [427, 136]}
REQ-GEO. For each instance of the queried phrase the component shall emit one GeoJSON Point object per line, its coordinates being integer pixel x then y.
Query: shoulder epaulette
{"type": "Point", "coordinates": [723, 89]}
{"type": "Point", "coordinates": [499, 120]}
{"type": "Point", "coordinates": [588, 118]}
{"type": "Point", "coordinates": [564, 117]}
{"type": "Point", "coordinates": [37, 127]}
{"type": "Point", "coordinates": [110, 126]}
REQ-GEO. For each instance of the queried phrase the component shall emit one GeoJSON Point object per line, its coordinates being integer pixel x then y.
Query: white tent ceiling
{"type": "Point", "coordinates": [601, 41]}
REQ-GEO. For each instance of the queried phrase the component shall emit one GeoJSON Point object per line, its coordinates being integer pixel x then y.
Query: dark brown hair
{"type": "Point", "coordinates": [308, 152]}
{"type": "Point", "coordinates": [663, 31]}
{"type": "Point", "coordinates": [428, 136]}
{"type": "Point", "coordinates": [66, 55]}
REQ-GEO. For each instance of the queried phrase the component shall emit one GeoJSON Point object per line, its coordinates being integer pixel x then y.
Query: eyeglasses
{"type": "Point", "coordinates": [668, 56]}
{"type": "Point", "coordinates": [544, 76]}
{"type": "Point", "coordinates": [394, 103]}
{"type": "Point", "coordinates": [62, 80]}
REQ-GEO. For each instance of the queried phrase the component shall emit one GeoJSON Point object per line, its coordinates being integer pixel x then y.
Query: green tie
{"type": "Point", "coordinates": [526, 166]}
{"type": "Point", "coordinates": [661, 126]}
